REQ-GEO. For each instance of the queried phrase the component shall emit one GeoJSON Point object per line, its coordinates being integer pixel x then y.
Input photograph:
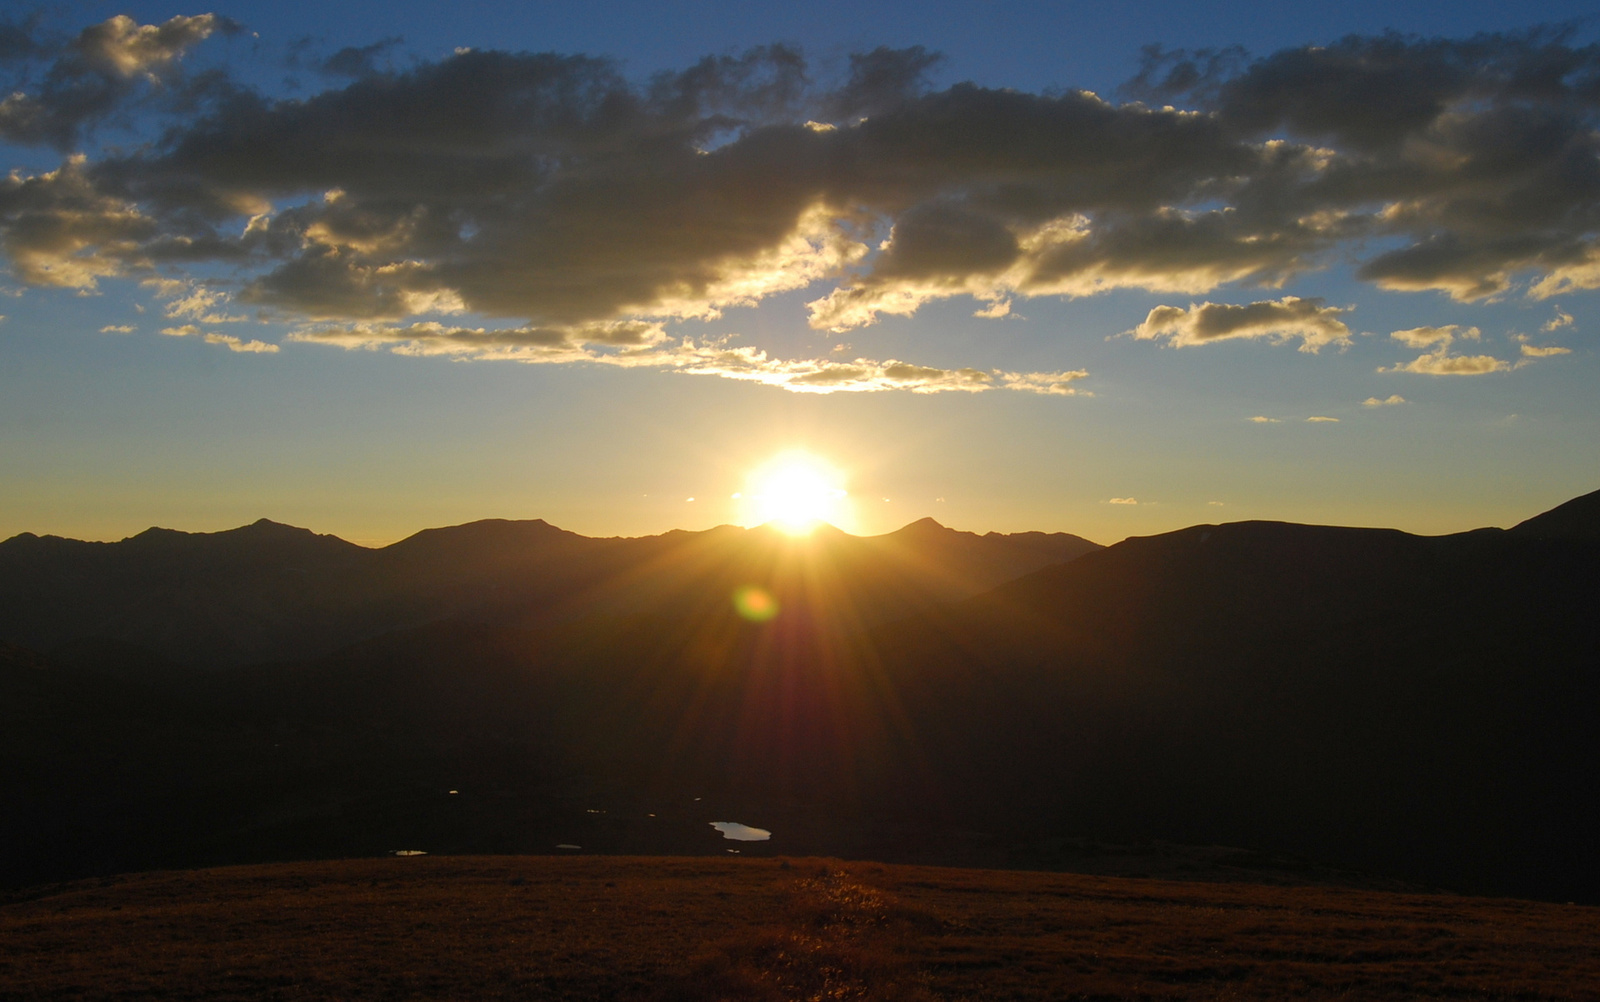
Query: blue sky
{"type": "Point", "coordinates": [248, 275]}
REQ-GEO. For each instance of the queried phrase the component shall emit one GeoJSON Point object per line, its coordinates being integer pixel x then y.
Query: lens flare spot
{"type": "Point", "coordinates": [755, 603]}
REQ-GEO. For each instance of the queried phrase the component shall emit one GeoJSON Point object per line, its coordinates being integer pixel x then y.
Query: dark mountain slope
{"type": "Point", "coordinates": [1417, 705]}
{"type": "Point", "coordinates": [1576, 519]}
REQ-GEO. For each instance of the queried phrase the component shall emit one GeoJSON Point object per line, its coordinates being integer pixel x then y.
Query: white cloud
{"type": "Point", "coordinates": [1322, 419]}
{"type": "Point", "coordinates": [1391, 400]}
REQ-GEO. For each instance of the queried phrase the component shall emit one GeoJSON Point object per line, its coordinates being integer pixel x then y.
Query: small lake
{"type": "Point", "coordinates": [741, 833]}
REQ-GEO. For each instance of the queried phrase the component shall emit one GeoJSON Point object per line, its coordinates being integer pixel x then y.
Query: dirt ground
{"type": "Point", "coordinates": [592, 927]}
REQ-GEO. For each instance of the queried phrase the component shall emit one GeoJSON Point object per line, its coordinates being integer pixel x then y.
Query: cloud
{"type": "Point", "coordinates": [556, 192]}
{"type": "Point", "coordinates": [1442, 363]}
{"type": "Point", "coordinates": [968, 253]}
{"type": "Point", "coordinates": [226, 340]}
{"type": "Point", "coordinates": [1534, 351]}
{"type": "Point", "coordinates": [1424, 337]}
{"type": "Point", "coordinates": [202, 305]}
{"type": "Point", "coordinates": [94, 74]}
{"type": "Point", "coordinates": [1439, 361]}
{"type": "Point", "coordinates": [526, 344]}
{"type": "Point", "coordinates": [17, 41]}
{"type": "Point", "coordinates": [1320, 419]}
{"type": "Point", "coordinates": [1560, 320]}
{"type": "Point", "coordinates": [1313, 323]}
{"type": "Point", "coordinates": [238, 344]}
{"type": "Point", "coordinates": [1263, 419]}
{"type": "Point", "coordinates": [358, 61]}
{"type": "Point", "coordinates": [59, 229]}
{"type": "Point", "coordinates": [1123, 501]}
{"type": "Point", "coordinates": [1049, 383]}
{"type": "Point", "coordinates": [123, 47]}
{"type": "Point", "coordinates": [1481, 172]}
{"type": "Point", "coordinates": [1392, 400]}
{"type": "Point", "coordinates": [117, 329]}
{"type": "Point", "coordinates": [881, 80]}
{"type": "Point", "coordinates": [637, 344]}
{"type": "Point", "coordinates": [1530, 352]}
{"type": "Point", "coordinates": [821, 376]}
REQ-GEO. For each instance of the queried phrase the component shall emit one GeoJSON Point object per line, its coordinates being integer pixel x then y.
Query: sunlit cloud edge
{"type": "Point", "coordinates": [641, 344]}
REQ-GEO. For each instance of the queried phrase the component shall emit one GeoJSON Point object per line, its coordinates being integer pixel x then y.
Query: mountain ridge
{"type": "Point", "coordinates": [270, 591]}
{"type": "Point", "coordinates": [1418, 708]}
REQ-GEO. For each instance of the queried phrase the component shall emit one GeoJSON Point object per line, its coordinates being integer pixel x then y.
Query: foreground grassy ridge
{"type": "Point", "coordinates": [694, 929]}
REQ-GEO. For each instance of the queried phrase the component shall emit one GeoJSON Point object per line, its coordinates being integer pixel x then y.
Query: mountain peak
{"type": "Point", "coordinates": [264, 526]}
{"type": "Point", "coordinates": [260, 527]}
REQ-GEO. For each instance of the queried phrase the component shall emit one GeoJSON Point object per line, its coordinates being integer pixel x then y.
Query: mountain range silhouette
{"type": "Point", "coordinates": [268, 591]}
{"type": "Point", "coordinates": [1414, 708]}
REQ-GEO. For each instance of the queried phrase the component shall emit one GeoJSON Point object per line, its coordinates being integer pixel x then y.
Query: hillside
{"type": "Point", "coordinates": [1576, 519]}
{"type": "Point", "coordinates": [1416, 705]}
{"type": "Point", "coordinates": [677, 929]}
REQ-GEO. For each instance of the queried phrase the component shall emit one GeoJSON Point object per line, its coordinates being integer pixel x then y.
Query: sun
{"type": "Point", "coordinates": [795, 492]}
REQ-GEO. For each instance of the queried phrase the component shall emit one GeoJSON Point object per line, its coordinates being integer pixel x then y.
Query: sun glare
{"type": "Point", "coordinates": [795, 491]}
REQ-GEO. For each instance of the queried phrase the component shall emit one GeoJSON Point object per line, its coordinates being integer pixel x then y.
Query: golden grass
{"type": "Point", "coordinates": [695, 929]}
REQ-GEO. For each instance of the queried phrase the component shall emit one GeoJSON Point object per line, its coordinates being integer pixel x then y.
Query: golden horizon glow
{"type": "Point", "coordinates": [794, 492]}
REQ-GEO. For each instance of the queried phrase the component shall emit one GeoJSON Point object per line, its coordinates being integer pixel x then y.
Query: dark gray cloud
{"type": "Point", "coordinates": [1183, 75]}
{"type": "Point", "coordinates": [93, 75]}
{"type": "Point", "coordinates": [360, 60]}
{"type": "Point", "coordinates": [1479, 154]}
{"type": "Point", "coordinates": [554, 190]}
{"type": "Point", "coordinates": [19, 40]}
{"type": "Point", "coordinates": [881, 80]}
